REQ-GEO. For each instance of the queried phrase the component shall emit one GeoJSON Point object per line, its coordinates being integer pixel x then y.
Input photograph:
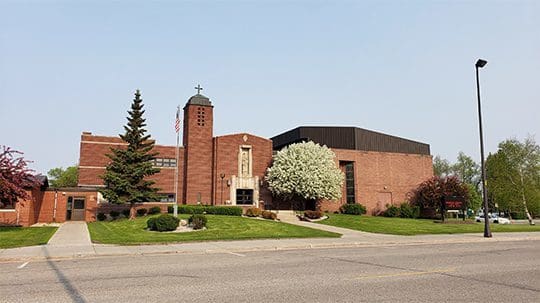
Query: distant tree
{"type": "Point", "coordinates": [305, 171]}
{"type": "Point", "coordinates": [441, 167]}
{"type": "Point", "coordinates": [466, 169]}
{"type": "Point", "coordinates": [60, 177]}
{"type": "Point", "coordinates": [514, 176]}
{"type": "Point", "coordinates": [15, 177]}
{"type": "Point", "coordinates": [430, 193]}
{"type": "Point", "coordinates": [475, 197]}
{"type": "Point", "coordinates": [125, 177]}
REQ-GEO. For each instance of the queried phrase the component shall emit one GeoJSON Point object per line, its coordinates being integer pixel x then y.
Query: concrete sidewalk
{"type": "Point", "coordinates": [60, 245]}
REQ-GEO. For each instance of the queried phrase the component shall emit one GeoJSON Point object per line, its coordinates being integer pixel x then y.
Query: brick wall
{"type": "Point", "coordinates": [382, 178]}
{"type": "Point", "coordinates": [198, 141]}
{"type": "Point", "coordinates": [226, 149]}
{"type": "Point", "coordinates": [93, 160]}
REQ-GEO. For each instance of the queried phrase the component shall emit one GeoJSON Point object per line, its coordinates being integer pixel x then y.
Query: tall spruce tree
{"type": "Point", "coordinates": [125, 177]}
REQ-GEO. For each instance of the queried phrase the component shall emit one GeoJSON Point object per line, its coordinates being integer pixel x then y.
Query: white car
{"type": "Point", "coordinates": [492, 218]}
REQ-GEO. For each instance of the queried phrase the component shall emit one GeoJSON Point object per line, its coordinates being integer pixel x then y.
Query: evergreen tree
{"type": "Point", "coordinates": [125, 177]}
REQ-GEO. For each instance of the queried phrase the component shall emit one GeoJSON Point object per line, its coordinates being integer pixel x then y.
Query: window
{"type": "Point", "coordinates": [166, 198]}
{"type": "Point", "coordinates": [164, 162]}
{"type": "Point", "coordinates": [349, 183]}
{"type": "Point", "coordinates": [244, 196]}
{"type": "Point", "coordinates": [200, 116]}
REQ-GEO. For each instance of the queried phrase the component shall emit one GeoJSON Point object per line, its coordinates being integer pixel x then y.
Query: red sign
{"type": "Point", "coordinates": [454, 203]}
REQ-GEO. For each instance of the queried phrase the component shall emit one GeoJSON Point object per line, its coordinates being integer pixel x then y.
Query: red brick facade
{"type": "Point", "coordinates": [221, 170]}
{"type": "Point", "coordinates": [382, 178]}
{"type": "Point", "coordinates": [203, 159]}
{"type": "Point", "coordinates": [50, 206]}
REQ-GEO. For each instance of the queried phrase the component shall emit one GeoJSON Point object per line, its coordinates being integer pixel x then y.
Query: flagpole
{"type": "Point", "coordinates": [177, 129]}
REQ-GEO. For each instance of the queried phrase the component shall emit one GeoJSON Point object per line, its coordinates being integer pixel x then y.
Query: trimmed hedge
{"type": "Point", "coordinates": [391, 211]}
{"type": "Point", "coordinates": [408, 211]}
{"type": "Point", "coordinates": [353, 209]}
{"type": "Point", "coordinates": [198, 221]}
{"type": "Point", "coordinates": [126, 212]}
{"type": "Point", "coordinates": [210, 210]}
{"type": "Point", "coordinates": [163, 222]}
{"type": "Point", "coordinates": [101, 217]}
{"type": "Point", "coordinates": [253, 212]}
{"type": "Point", "coordinates": [114, 214]}
{"type": "Point", "coordinates": [404, 210]}
{"type": "Point", "coordinates": [141, 212]}
{"type": "Point", "coordinates": [269, 215]}
{"type": "Point", "coordinates": [154, 210]}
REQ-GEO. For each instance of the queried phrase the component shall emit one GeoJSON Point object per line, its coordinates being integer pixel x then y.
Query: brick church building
{"type": "Point", "coordinates": [221, 170]}
{"type": "Point", "coordinates": [379, 170]}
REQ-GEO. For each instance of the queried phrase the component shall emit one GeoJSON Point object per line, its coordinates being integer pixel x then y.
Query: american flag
{"type": "Point", "coordinates": [177, 122]}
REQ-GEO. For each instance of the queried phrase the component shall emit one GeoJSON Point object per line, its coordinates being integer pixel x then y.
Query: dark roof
{"type": "Point", "coordinates": [41, 181]}
{"type": "Point", "coordinates": [350, 138]}
{"type": "Point", "coordinates": [199, 99]}
{"type": "Point", "coordinates": [75, 189]}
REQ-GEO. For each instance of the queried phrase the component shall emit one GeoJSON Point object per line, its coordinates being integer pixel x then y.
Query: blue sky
{"type": "Point", "coordinates": [404, 68]}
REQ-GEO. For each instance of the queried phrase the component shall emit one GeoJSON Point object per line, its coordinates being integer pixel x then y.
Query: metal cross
{"type": "Point", "coordinates": [198, 88]}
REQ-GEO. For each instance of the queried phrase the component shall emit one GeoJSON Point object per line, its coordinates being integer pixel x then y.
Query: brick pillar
{"type": "Point", "coordinates": [198, 150]}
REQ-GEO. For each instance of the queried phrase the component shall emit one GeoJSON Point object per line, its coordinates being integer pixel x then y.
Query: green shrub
{"type": "Point", "coordinates": [170, 209]}
{"type": "Point", "coordinates": [198, 221]}
{"type": "Point", "coordinates": [126, 212]}
{"type": "Point", "coordinates": [210, 210]}
{"type": "Point", "coordinates": [163, 222]}
{"type": "Point", "coordinates": [269, 215]}
{"type": "Point", "coordinates": [114, 214]}
{"type": "Point", "coordinates": [141, 212]}
{"type": "Point", "coordinates": [101, 217]}
{"type": "Point", "coordinates": [391, 211]}
{"type": "Point", "coordinates": [518, 215]}
{"type": "Point", "coordinates": [154, 210]}
{"type": "Point", "coordinates": [253, 212]}
{"type": "Point", "coordinates": [353, 209]}
{"type": "Point", "coordinates": [312, 214]}
{"type": "Point", "coordinates": [151, 223]}
{"type": "Point", "coordinates": [408, 211]}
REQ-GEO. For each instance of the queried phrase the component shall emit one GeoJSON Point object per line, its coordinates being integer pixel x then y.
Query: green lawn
{"type": "Point", "coordinates": [25, 236]}
{"type": "Point", "coordinates": [399, 226]}
{"type": "Point", "coordinates": [218, 228]}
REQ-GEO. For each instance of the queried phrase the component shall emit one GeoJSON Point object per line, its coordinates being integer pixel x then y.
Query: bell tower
{"type": "Point", "coordinates": [198, 149]}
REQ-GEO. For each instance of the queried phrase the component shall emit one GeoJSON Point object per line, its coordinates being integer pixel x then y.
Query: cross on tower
{"type": "Point", "coordinates": [198, 88]}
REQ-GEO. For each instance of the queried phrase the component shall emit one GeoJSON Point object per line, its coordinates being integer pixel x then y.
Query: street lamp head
{"type": "Point", "coordinates": [481, 63]}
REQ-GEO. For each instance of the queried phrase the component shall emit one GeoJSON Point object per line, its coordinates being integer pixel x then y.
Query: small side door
{"type": "Point", "coordinates": [78, 209]}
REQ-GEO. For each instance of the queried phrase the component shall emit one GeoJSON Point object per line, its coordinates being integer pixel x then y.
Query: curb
{"type": "Point", "coordinates": [269, 248]}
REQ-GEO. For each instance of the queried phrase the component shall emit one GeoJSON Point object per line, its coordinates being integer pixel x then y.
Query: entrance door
{"type": "Point", "coordinates": [75, 209]}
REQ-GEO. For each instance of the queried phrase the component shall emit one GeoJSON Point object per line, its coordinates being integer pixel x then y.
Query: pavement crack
{"type": "Point", "coordinates": [491, 283]}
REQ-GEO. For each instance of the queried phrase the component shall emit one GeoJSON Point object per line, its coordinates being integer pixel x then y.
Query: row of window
{"type": "Point", "coordinates": [164, 162]}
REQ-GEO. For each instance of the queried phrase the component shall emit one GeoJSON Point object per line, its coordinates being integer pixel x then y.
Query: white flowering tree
{"type": "Point", "coordinates": [306, 172]}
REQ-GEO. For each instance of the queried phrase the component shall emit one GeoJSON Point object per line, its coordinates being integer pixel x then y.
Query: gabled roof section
{"type": "Point", "coordinates": [354, 138]}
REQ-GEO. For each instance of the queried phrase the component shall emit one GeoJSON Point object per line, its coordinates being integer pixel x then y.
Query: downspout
{"type": "Point", "coordinates": [17, 209]}
{"type": "Point", "coordinates": [55, 202]}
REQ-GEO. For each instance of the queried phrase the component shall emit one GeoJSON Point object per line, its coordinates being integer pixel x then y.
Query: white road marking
{"type": "Point", "coordinates": [236, 254]}
{"type": "Point", "coordinates": [22, 265]}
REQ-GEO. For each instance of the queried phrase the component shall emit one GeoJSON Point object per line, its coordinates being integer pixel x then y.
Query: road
{"type": "Point", "coordinates": [487, 272]}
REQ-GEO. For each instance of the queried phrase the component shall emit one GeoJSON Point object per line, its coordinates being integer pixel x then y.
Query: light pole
{"type": "Point", "coordinates": [487, 232]}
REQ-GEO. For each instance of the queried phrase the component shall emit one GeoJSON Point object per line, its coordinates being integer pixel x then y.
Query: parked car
{"type": "Point", "coordinates": [494, 218]}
